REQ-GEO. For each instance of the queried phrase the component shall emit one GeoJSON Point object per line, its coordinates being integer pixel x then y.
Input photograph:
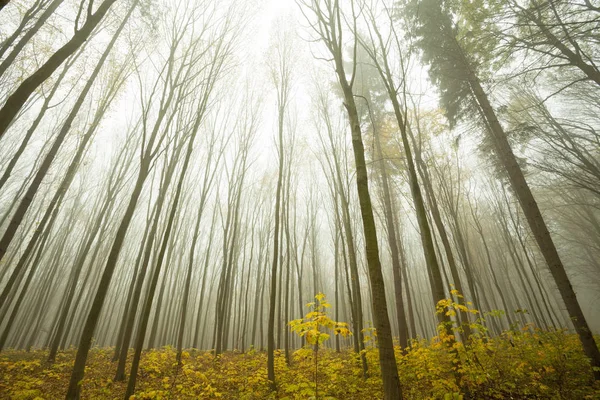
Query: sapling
{"type": "Point", "coordinates": [313, 326]}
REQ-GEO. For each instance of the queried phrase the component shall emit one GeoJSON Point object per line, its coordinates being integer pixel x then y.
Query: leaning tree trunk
{"type": "Point", "coordinates": [143, 324]}
{"type": "Point", "coordinates": [76, 271]}
{"type": "Point", "coordinates": [28, 35]}
{"type": "Point", "coordinates": [49, 158]}
{"type": "Point", "coordinates": [433, 265]}
{"type": "Point", "coordinates": [28, 16]}
{"type": "Point", "coordinates": [131, 311]}
{"type": "Point", "coordinates": [16, 100]}
{"type": "Point", "coordinates": [344, 221]}
{"type": "Point", "coordinates": [38, 119]}
{"type": "Point", "coordinates": [535, 220]}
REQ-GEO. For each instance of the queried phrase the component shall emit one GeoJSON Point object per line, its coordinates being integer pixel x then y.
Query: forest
{"type": "Point", "coordinates": [299, 199]}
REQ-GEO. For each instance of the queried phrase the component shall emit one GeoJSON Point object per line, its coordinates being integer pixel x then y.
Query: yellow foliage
{"type": "Point", "coordinates": [312, 325]}
{"type": "Point", "coordinates": [519, 364]}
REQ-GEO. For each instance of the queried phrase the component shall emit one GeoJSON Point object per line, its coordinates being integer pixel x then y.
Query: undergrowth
{"type": "Point", "coordinates": [518, 364]}
{"type": "Point", "coordinates": [521, 363]}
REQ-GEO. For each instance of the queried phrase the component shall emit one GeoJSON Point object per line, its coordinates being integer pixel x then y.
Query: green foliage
{"type": "Point", "coordinates": [455, 36]}
{"type": "Point", "coordinates": [460, 42]}
{"type": "Point", "coordinates": [435, 36]}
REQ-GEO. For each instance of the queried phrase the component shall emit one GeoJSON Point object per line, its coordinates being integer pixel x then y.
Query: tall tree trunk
{"type": "Point", "coordinates": [274, 265]}
{"type": "Point", "coordinates": [437, 218]}
{"type": "Point", "coordinates": [85, 342]}
{"type": "Point", "coordinates": [28, 35]}
{"type": "Point", "coordinates": [139, 278]}
{"type": "Point", "coordinates": [28, 16]}
{"type": "Point", "coordinates": [49, 158]}
{"type": "Point", "coordinates": [387, 358]}
{"type": "Point", "coordinates": [339, 192]}
{"type": "Point", "coordinates": [536, 220]}
{"type": "Point", "coordinates": [16, 100]}
{"type": "Point", "coordinates": [76, 271]}
{"type": "Point", "coordinates": [45, 107]}
{"type": "Point", "coordinates": [392, 243]}
{"type": "Point", "coordinates": [156, 273]}
{"type": "Point", "coordinates": [196, 342]}
{"type": "Point", "coordinates": [433, 266]}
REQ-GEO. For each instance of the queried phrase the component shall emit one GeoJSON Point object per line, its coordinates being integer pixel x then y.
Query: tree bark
{"type": "Point", "coordinates": [16, 100]}
{"type": "Point", "coordinates": [28, 35]}
{"type": "Point", "coordinates": [536, 221]}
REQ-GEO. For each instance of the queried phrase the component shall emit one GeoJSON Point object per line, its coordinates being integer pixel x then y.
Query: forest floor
{"type": "Point", "coordinates": [516, 365]}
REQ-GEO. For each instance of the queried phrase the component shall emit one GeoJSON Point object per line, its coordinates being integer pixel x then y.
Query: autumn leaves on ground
{"type": "Point", "coordinates": [543, 365]}
{"type": "Point", "coordinates": [522, 363]}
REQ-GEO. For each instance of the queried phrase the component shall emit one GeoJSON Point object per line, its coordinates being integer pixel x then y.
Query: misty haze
{"type": "Point", "coordinates": [299, 199]}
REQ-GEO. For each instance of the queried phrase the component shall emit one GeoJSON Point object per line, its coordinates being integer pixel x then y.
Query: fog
{"type": "Point", "coordinates": [192, 173]}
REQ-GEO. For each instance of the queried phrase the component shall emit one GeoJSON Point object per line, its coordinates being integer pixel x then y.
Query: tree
{"type": "Point", "coordinates": [114, 185]}
{"type": "Point", "coordinates": [437, 38]}
{"type": "Point", "coordinates": [17, 47]}
{"type": "Point", "coordinates": [17, 99]}
{"type": "Point", "coordinates": [38, 119]}
{"type": "Point", "coordinates": [325, 19]}
{"type": "Point", "coordinates": [55, 203]}
{"type": "Point", "coordinates": [335, 154]}
{"type": "Point", "coordinates": [210, 173]}
{"type": "Point", "coordinates": [313, 326]}
{"type": "Point", "coordinates": [177, 73]}
{"type": "Point", "coordinates": [281, 73]}
{"type": "Point", "coordinates": [378, 52]}
{"type": "Point", "coordinates": [25, 203]}
{"type": "Point", "coordinates": [563, 34]}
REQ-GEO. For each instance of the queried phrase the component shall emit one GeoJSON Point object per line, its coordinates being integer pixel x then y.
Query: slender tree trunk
{"type": "Point", "coordinates": [187, 283]}
{"type": "Point", "coordinates": [132, 285]}
{"type": "Point", "coordinates": [204, 279]}
{"type": "Point", "coordinates": [49, 158]}
{"type": "Point", "coordinates": [574, 58]}
{"type": "Point", "coordinates": [387, 358]}
{"type": "Point", "coordinates": [437, 218]}
{"type": "Point", "coordinates": [500, 292]}
{"type": "Point", "coordinates": [536, 222]}
{"type": "Point", "coordinates": [29, 15]}
{"type": "Point", "coordinates": [156, 273]}
{"type": "Point", "coordinates": [424, 227]}
{"type": "Point", "coordinates": [393, 244]}
{"type": "Point", "coordinates": [131, 311]}
{"type": "Point", "coordinates": [85, 342]}
{"type": "Point", "coordinates": [339, 192]}
{"type": "Point", "coordinates": [19, 299]}
{"type": "Point", "coordinates": [336, 272]}
{"type": "Point", "coordinates": [274, 266]}
{"type": "Point", "coordinates": [28, 35]}
{"type": "Point", "coordinates": [16, 100]}
{"type": "Point", "coordinates": [45, 106]}
{"type": "Point", "coordinates": [77, 267]}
